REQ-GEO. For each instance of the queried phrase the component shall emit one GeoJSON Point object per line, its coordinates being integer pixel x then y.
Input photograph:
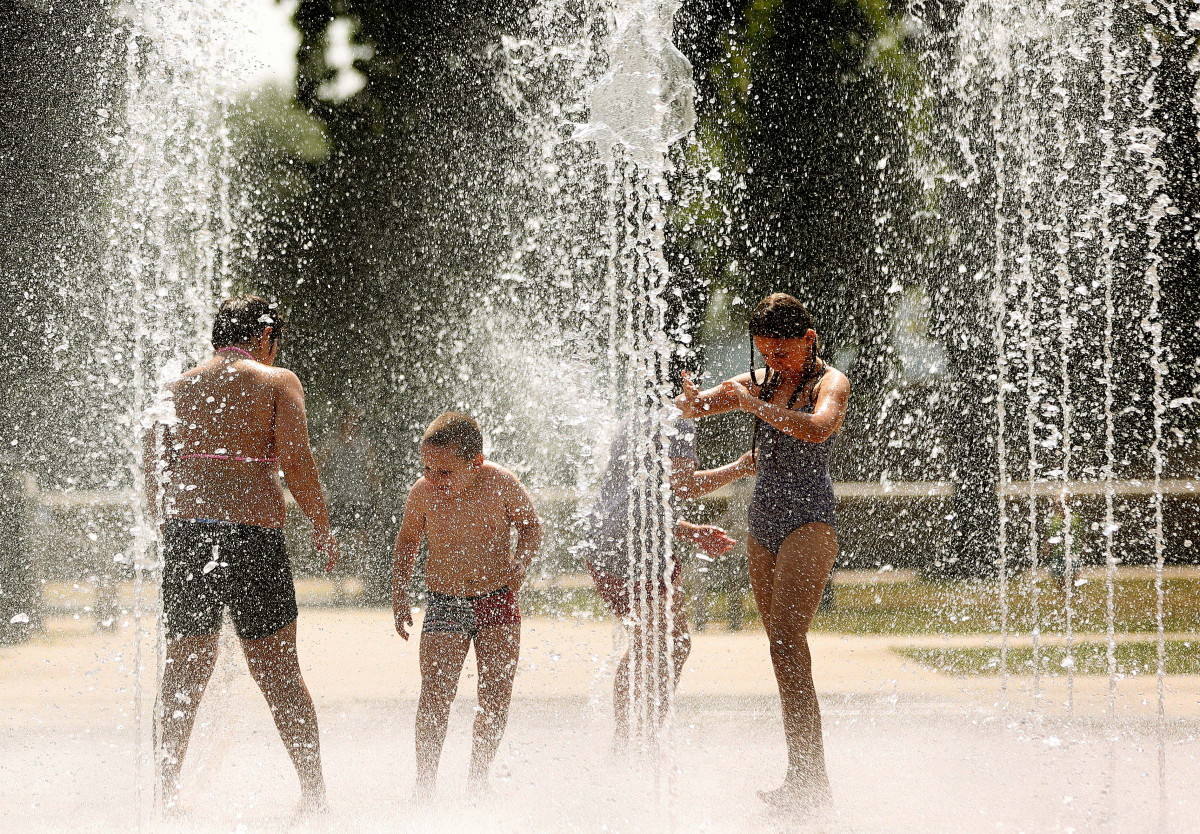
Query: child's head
{"type": "Point", "coordinates": [452, 452]}
{"type": "Point", "coordinates": [243, 320]}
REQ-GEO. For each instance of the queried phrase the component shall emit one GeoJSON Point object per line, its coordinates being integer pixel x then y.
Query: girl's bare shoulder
{"type": "Point", "coordinates": [835, 381]}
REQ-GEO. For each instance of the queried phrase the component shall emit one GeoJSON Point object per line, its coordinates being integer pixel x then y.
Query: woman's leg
{"type": "Point", "coordinates": [189, 666]}
{"type": "Point", "coordinates": [621, 683]}
{"type": "Point", "coordinates": [801, 569]}
{"type": "Point", "coordinates": [652, 665]}
{"type": "Point", "coordinates": [678, 650]}
{"type": "Point", "coordinates": [275, 667]}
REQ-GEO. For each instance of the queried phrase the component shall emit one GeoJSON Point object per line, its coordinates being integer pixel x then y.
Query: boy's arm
{"type": "Point", "coordinates": [686, 482]}
{"type": "Point", "coordinates": [408, 544]}
{"type": "Point", "coordinates": [522, 516]}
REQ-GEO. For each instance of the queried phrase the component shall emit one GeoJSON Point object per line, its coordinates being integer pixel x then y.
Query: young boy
{"type": "Point", "coordinates": [467, 508]}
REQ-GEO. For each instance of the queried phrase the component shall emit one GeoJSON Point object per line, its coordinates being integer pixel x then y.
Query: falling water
{"type": "Point", "coordinates": [639, 107]}
{"type": "Point", "coordinates": [1057, 103]}
{"type": "Point", "coordinates": [168, 253]}
{"type": "Point", "coordinates": [1108, 196]}
{"type": "Point", "coordinates": [999, 295]}
{"type": "Point", "coordinates": [1158, 206]}
{"type": "Point", "coordinates": [1060, 102]}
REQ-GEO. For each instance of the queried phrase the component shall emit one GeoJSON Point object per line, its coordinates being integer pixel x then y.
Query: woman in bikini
{"type": "Point", "coordinates": [212, 484]}
{"type": "Point", "coordinates": [798, 405]}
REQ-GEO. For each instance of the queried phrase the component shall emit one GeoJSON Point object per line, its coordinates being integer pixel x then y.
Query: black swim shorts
{"type": "Point", "coordinates": [209, 565]}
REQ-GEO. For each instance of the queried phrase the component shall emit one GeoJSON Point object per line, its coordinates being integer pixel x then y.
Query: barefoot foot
{"type": "Point", "coordinates": [794, 796]}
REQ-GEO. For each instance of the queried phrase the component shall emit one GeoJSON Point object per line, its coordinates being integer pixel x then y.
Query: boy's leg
{"type": "Point", "coordinates": [189, 666]}
{"type": "Point", "coordinates": [275, 667]}
{"type": "Point", "coordinates": [497, 650]}
{"type": "Point", "coordinates": [442, 657]}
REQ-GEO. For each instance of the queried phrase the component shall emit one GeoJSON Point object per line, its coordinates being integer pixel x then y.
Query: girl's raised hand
{"type": "Point", "coordinates": [689, 400]}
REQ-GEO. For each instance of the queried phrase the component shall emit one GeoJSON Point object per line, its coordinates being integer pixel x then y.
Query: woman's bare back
{"type": "Point", "coordinates": [223, 451]}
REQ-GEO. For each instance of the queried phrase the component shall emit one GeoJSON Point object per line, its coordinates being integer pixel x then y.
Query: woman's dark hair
{"type": "Point", "coordinates": [242, 319]}
{"type": "Point", "coordinates": [780, 316]}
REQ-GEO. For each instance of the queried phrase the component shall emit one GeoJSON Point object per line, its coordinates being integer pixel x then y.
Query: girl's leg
{"type": "Point", "coordinates": [802, 568]}
{"type": "Point", "coordinates": [760, 564]}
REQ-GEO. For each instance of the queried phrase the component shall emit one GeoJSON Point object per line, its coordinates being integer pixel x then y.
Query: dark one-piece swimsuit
{"type": "Point", "coordinates": [792, 487]}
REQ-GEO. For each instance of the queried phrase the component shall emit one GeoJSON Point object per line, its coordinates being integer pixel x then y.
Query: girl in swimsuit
{"type": "Point", "coordinates": [798, 404]}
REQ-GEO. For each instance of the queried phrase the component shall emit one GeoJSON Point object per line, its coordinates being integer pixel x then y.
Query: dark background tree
{"type": "Point", "coordinates": [371, 215]}
{"type": "Point", "coordinates": [50, 92]}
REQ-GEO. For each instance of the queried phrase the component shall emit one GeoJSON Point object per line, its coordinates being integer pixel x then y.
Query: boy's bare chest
{"type": "Point", "coordinates": [467, 517]}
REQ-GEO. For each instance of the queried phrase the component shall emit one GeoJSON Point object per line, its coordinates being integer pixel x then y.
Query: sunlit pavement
{"type": "Point", "coordinates": [909, 749]}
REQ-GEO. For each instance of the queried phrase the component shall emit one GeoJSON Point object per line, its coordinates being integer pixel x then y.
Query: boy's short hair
{"type": "Point", "coordinates": [242, 319]}
{"type": "Point", "coordinates": [455, 431]}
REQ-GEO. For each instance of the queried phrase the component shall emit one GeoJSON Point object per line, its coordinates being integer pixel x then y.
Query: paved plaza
{"type": "Point", "coordinates": [909, 749]}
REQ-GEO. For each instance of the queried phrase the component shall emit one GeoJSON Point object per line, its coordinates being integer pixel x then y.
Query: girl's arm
{"type": "Point", "coordinates": [686, 482]}
{"type": "Point", "coordinates": [696, 403]}
{"type": "Point", "coordinates": [826, 418]}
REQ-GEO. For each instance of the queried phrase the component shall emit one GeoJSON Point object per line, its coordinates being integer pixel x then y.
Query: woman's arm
{"type": "Point", "coordinates": [686, 482]}
{"type": "Point", "coordinates": [298, 465]}
{"type": "Point", "coordinates": [153, 469]}
{"type": "Point", "coordinates": [719, 400]}
{"type": "Point", "coordinates": [712, 540]}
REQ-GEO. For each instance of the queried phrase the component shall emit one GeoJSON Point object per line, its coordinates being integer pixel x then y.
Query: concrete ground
{"type": "Point", "coordinates": [909, 749]}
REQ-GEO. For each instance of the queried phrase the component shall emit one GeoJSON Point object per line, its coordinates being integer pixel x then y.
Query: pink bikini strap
{"type": "Point", "coordinates": [238, 458]}
{"type": "Point", "coordinates": [244, 353]}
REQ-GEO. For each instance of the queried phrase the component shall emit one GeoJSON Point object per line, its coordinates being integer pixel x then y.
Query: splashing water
{"type": "Point", "coordinates": [1055, 138]}
{"type": "Point", "coordinates": [168, 255]}
{"type": "Point", "coordinates": [642, 104]}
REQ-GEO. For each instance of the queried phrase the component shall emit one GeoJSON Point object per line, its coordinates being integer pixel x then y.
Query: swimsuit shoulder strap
{"type": "Point", "coordinates": [810, 386]}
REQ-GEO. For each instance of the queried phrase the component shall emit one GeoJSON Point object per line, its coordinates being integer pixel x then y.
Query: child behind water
{"type": "Point", "coordinates": [466, 507]}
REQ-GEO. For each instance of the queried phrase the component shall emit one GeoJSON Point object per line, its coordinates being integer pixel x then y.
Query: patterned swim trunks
{"type": "Point", "coordinates": [470, 615]}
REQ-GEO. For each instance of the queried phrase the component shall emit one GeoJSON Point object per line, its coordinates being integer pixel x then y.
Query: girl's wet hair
{"type": "Point", "coordinates": [242, 319]}
{"type": "Point", "coordinates": [780, 316]}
